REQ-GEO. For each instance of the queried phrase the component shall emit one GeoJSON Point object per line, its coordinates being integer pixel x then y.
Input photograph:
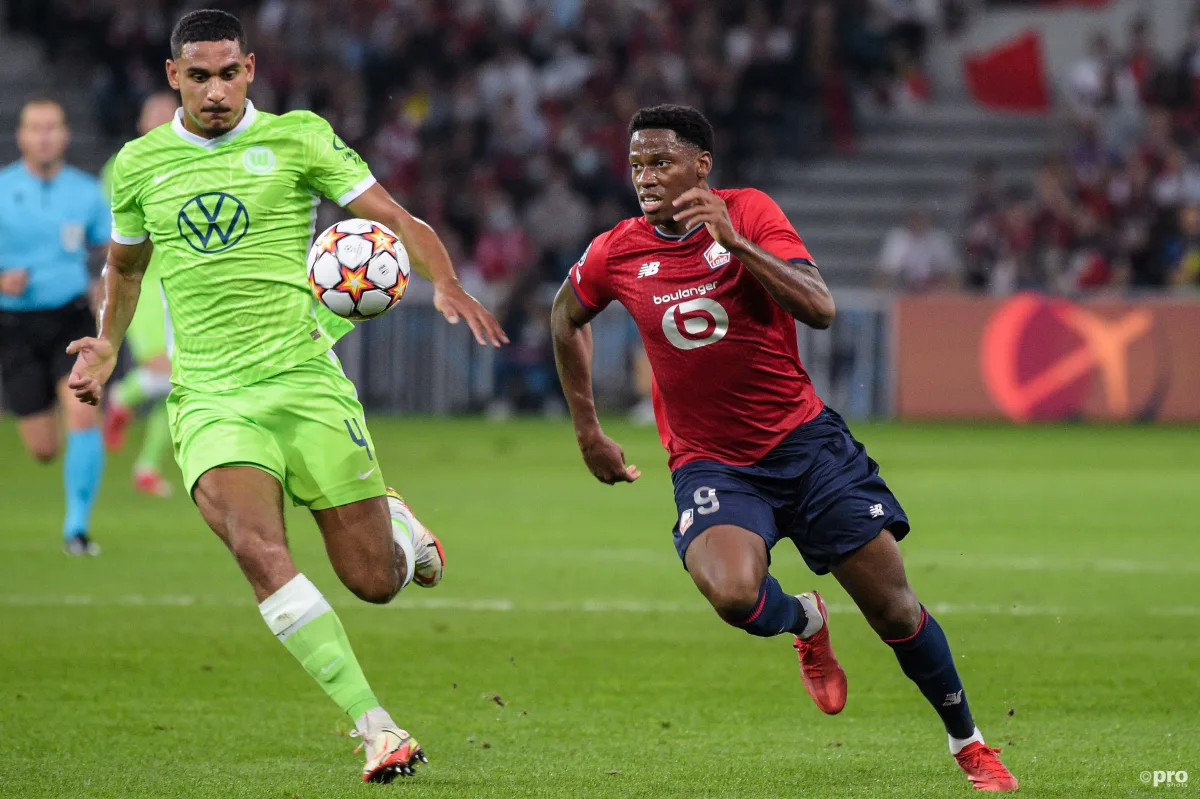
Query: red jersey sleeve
{"type": "Point", "coordinates": [589, 276]}
{"type": "Point", "coordinates": [764, 223]}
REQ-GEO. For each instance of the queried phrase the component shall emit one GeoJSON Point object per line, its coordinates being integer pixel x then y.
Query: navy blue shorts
{"type": "Point", "coordinates": [818, 487]}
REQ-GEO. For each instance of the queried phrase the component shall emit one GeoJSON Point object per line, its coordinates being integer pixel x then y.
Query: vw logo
{"type": "Point", "coordinates": [213, 222]}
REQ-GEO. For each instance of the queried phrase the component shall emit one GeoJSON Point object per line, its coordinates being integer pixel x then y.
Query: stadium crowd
{"type": "Point", "coordinates": [503, 122]}
{"type": "Point", "coordinates": [1119, 204]}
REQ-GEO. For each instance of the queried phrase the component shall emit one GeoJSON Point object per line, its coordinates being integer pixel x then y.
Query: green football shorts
{"type": "Point", "coordinates": [147, 334]}
{"type": "Point", "coordinates": [305, 426]}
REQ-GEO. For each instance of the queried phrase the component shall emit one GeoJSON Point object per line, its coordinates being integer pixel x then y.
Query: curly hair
{"type": "Point", "coordinates": [206, 25]}
{"type": "Point", "coordinates": [689, 124]}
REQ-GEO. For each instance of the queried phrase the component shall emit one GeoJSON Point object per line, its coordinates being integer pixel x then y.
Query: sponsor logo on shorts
{"type": "Point", "coordinates": [876, 511]}
{"type": "Point", "coordinates": [685, 520]}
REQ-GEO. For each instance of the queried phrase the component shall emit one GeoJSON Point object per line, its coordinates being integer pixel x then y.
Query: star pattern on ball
{"type": "Point", "coordinates": [355, 282]}
{"type": "Point", "coordinates": [329, 239]}
{"type": "Point", "coordinates": [314, 286]}
{"type": "Point", "coordinates": [381, 240]}
{"type": "Point", "coordinates": [397, 291]}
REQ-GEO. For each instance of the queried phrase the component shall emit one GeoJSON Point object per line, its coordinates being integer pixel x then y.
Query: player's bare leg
{"type": "Point", "coordinates": [377, 547]}
{"type": "Point", "coordinates": [729, 566]}
{"type": "Point", "coordinates": [40, 434]}
{"type": "Point", "coordinates": [874, 577]}
{"type": "Point", "coordinates": [244, 506]}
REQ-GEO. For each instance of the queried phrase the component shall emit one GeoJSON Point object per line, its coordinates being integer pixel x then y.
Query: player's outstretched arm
{"type": "Point", "coordinates": [97, 357]}
{"type": "Point", "coordinates": [572, 335]}
{"type": "Point", "coordinates": [798, 287]}
{"type": "Point", "coordinates": [432, 262]}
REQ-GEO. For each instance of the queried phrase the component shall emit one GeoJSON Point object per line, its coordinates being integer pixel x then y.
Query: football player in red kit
{"type": "Point", "coordinates": [716, 280]}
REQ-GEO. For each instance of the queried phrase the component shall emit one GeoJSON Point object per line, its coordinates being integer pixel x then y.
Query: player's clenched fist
{"type": "Point", "coordinates": [93, 367]}
{"type": "Point", "coordinates": [606, 460]}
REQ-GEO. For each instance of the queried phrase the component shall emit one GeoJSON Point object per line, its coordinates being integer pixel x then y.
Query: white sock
{"type": "Point", "coordinates": [403, 525]}
{"type": "Point", "coordinates": [372, 720]}
{"type": "Point", "coordinates": [959, 744]}
{"type": "Point", "coordinates": [812, 615]}
{"type": "Point", "coordinates": [291, 607]}
{"type": "Point", "coordinates": [155, 385]}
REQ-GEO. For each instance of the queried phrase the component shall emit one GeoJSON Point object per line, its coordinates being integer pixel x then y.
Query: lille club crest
{"type": "Point", "coordinates": [716, 255]}
{"type": "Point", "coordinates": [685, 521]}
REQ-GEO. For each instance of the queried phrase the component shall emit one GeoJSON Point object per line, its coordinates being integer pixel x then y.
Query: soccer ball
{"type": "Point", "coordinates": [358, 269]}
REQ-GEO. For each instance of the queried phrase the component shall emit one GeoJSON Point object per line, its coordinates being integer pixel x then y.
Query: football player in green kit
{"type": "Point", "coordinates": [226, 196]}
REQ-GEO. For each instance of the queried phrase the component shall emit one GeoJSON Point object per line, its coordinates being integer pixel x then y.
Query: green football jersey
{"type": "Point", "coordinates": [150, 279]}
{"type": "Point", "coordinates": [231, 219]}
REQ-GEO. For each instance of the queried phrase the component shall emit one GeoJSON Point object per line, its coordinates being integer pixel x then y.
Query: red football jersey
{"type": "Point", "coordinates": [728, 382]}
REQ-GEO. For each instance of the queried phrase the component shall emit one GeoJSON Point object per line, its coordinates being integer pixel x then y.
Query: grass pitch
{"type": "Point", "coordinates": [568, 655]}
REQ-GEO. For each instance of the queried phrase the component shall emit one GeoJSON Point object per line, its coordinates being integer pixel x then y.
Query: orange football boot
{"type": "Point", "coordinates": [984, 769]}
{"type": "Point", "coordinates": [823, 676]}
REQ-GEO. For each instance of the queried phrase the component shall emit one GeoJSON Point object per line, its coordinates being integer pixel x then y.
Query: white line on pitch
{"type": "Point", "coordinates": [511, 606]}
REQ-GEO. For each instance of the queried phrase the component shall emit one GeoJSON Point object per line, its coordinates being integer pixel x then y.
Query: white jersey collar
{"type": "Point", "coordinates": [185, 134]}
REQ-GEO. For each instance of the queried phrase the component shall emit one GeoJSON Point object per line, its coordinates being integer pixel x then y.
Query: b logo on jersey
{"type": "Point", "coordinates": [213, 222]}
{"type": "Point", "coordinates": [695, 323]}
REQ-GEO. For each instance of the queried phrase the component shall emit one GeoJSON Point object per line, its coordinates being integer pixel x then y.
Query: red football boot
{"type": "Point", "coordinates": [115, 423]}
{"type": "Point", "coordinates": [984, 769]}
{"type": "Point", "coordinates": [823, 676]}
{"type": "Point", "coordinates": [148, 481]}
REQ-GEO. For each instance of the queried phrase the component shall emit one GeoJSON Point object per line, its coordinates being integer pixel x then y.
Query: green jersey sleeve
{"type": "Point", "coordinates": [333, 168]}
{"type": "Point", "coordinates": [128, 218]}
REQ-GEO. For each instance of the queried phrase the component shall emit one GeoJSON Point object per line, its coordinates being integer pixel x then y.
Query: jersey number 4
{"type": "Point", "coordinates": [695, 323]}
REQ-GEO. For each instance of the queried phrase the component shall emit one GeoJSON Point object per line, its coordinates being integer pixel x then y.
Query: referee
{"type": "Point", "coordinates": [49, 214]}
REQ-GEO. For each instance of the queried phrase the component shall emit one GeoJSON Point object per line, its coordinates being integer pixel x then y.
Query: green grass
{"type": "Point", "coordinates": [1062, 562]}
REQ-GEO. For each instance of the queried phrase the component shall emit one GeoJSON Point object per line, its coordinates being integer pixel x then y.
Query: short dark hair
{"type": "Point", "coordinates": [689, 124]}
{"type": "Point", "coordinates": [207, 25]}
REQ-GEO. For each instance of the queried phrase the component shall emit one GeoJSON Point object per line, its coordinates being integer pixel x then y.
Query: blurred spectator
{"type": "Point", "coordinates": [918, 256]}
{"type": "Point", "coordinates": [525, 377]}
{"type": "Point", "coordinates": [558, 219]}
{"type": "Point", "coordinates": [503, 249]}
{"type": "Point", "coordinates": [1016, 266]}
{"type": "Point", "coordinates": [1118, 204]}
{"type": "Point", "coordinates": [1184, 249]}
{"type": "Point", "coordinates": [982, 227]}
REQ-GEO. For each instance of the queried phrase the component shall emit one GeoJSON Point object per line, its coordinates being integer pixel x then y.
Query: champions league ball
{"type": "Point", "coordinates": [358, 269]}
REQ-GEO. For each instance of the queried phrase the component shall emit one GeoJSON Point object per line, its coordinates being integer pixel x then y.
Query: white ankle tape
{"type": "Point", "coordinates": [959, 744]}
{"type": "Point", "coordinates": [403, 539]}
{"type": "Point", "coordinates": [293, 606]}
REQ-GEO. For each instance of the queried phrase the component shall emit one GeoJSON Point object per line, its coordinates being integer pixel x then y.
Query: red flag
{"type": "Point", "coordinates": [1011, 76]}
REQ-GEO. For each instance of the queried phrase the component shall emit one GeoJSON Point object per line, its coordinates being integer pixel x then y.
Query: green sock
{"type": "Point", "coordinates": [155, 441]}
{"type": "Point", "coordinates": [303, 620]}
{"type": "Point", "coordinates": [129, 392]}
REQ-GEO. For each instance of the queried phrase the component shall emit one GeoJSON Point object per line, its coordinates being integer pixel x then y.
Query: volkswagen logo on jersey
{"type": "Point", "coordinates": [695, 323]}
{"type": "Point", "coordinates": [213, 222]}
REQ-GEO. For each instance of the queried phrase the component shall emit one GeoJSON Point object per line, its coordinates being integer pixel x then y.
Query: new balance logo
{"type": "Point", "coordinates": [876, 511]}
{"type": "Point", "coordinates": [953, 699]}
{"type": "Point", "coordinates": [649, 270]}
